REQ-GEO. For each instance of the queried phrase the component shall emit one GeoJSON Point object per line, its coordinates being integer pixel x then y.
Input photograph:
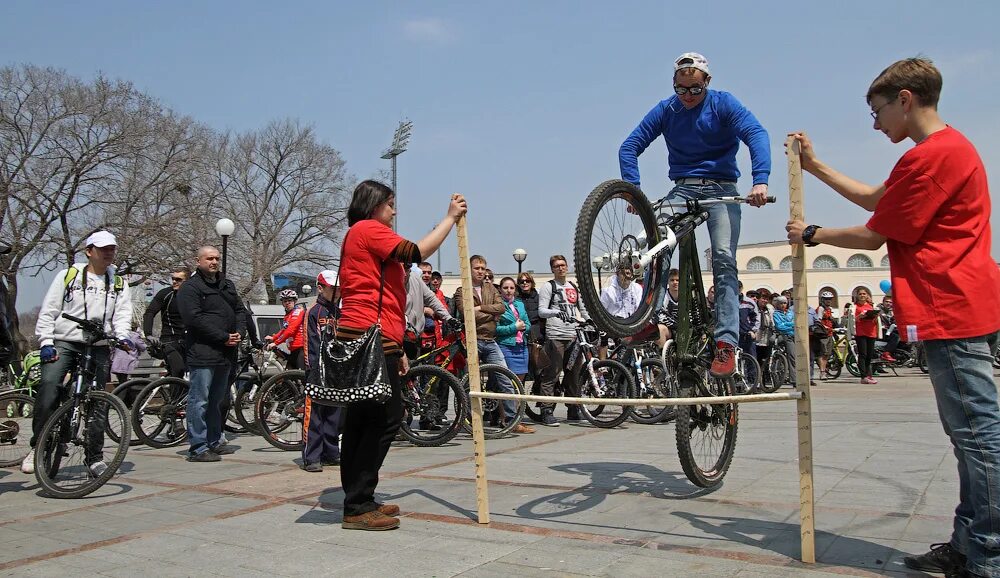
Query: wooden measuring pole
{"type": "Point", "coordinates": [800, 295]}
{"type": "Point", "coordinates": [472, 362]}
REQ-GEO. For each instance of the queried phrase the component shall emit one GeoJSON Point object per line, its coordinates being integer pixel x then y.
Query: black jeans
{"type": "Point", "coordinates": [367, 430]}
{"type": "Point", "coordinates": [173, 356]}
{"type": "Point", "coordinates": [556, 350]}
{"type": "Point", "coordinates": [295, 359]}
{"type": "Point", "coordinates": [51, 392]}
{"type": "Point", "coordinates": [866, 351]}
{"type": "Point", "coordinates": [763, 356]}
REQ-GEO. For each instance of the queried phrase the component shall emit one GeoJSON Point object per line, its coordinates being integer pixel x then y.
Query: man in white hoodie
{"type": "Point", "coordinates": [88, 290]}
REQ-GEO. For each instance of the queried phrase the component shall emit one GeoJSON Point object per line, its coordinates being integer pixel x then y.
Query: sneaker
{"type": "Point", "coordinates": [28, 463]}
{"type": "Point", "coordinates": [223, 450]}
{"type": "Point", "coordinates": [572, 415]}
{"type": "Point", "coordinates": [523, 429]}
{"type": "Point", "coordinates": [313, 467]}
{"type": "Point", "coordinates": [940, 558]}
{"type": "Point", "coordinates": [886, 356]}
{"type": "Point", "coordinates": [206, 456]}
{"type": "Point", "coordinates": [97, 469]}
{"type": "Point", "coordinates": [333, 462]}
{"type": "Point", "coordinates": [373, 521]}
{"type": "Point", "coordinates": [389, 509]}
{"type": "Point", "coordinates": [549, 420]}
{"type": "Point", "coordinates": [724, 363]}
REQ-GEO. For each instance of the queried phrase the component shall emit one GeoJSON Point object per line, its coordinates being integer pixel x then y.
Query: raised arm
{"type": "Point", "coordinates": [863, 195]}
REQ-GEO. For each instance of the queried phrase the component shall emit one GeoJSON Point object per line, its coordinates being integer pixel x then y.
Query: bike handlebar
{"type": "Point", "coordinates": [93, 327]}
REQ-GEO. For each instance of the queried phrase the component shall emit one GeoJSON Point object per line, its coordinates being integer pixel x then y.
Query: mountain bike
{"type": "Point", "coordinates": [16, 411]}
{"type": "Point", "coordinates": [159, 412]}
{"type": "Point", "coordinates": [652, 380]}
{"type": "Point", "coordinates": [746, 378]}
{"type": "Point", "coordinates": [128, 391]}
{"type": "Point", "coordinates": [781, 365]}
{"type": "Point", "coordinates": [280, 410]}
{"type": "Point", "coordinates": [433, 397]}
{"type": "Point", "coordinates": [73, 438]}
{"type": "Point", "coordinates": [618, 224]}
{"type": "Point", "coordinates": [253, 374]}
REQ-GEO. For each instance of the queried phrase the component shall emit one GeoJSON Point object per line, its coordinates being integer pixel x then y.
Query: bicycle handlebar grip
{"type": "Point", "coordinates": [772, 199]}
{"type": "Point", "coordinates": [73, 319]}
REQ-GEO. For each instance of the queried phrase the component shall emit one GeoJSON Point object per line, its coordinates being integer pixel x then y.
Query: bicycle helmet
{"type": "Point", "coordinates": [826, 295]}
{"type": "Point", "coordinates": [288, 294]}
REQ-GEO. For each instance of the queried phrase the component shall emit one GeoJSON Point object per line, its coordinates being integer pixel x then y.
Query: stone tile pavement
{"type": "Point", "coordinates": [567, 501]}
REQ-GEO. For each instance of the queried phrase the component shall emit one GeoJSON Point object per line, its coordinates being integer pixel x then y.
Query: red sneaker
{"type": "Point", "coordinates": [725, 360]}
{"type": "Point", "coordinates": [886, 356]}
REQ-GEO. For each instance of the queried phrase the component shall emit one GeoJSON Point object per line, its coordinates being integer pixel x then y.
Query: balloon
{"type": "Point", "coordinates": [885, 286]}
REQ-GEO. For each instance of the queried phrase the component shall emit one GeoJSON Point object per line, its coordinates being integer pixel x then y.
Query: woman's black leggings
{"type": "Point", "coordinates": [866, 351]}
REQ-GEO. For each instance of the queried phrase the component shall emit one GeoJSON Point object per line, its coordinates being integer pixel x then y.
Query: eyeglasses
{"type": "Point", "coordinates": [682, 90]}
{"type": "Point", "coordinates": [560, 266]}
{"type": "Point", "coordinates": [177, 279]}
{"type": "Point", "coordinates": [875, 112]}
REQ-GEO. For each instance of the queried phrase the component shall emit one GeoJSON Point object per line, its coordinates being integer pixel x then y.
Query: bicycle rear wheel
{"type": "Point", "coordinates": [496, 423]}
{"type": "Point", "coordinates": [426, 422]}
{"type": "Point", "coordinates": [613, 382]}
{"type": "Point", "coordinates": [124, 392]}
{"type": "Point", "coordinates": [16, 411]}
{"type": "Point", "coordinates": [706, 434]}
{"type": "Point", "coordinates": [616, 223]}
{"type": "Point", "coordinates": [65, 450]}
{"type": "Point", "coordinates": [657, 384]}
{"type": "Point", "coordinates": [159, 413]}
{"type": "Point", "coordinates": [280, 411]}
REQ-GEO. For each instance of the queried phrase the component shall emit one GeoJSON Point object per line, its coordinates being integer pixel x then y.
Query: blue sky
{"type": "Point", "coordinates": [521, 106]}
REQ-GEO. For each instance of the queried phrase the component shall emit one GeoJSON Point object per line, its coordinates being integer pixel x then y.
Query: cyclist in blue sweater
{"type": "Point", "coordinates": [703, 129]}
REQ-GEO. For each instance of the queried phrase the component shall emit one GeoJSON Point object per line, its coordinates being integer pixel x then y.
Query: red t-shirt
{"type": "Point", "coordinates": [865, 327]}
{"type": "Point", "coordinates": [366, 245]}
{"type": "Point", "coordinates": [936, 216]}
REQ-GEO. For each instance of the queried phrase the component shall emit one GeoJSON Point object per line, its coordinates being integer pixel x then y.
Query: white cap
{"type": "Point", "coordinates": [327, 277]}
{"type": "Point", "coordinates": [692, 60]}
{"type": "Point", "coordinates": [101, 239]}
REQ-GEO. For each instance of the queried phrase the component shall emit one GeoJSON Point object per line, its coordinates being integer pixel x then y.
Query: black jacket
{"type": "Point", "coordinates": [530, 301]}
{"type": "Point", "coordinates": [171, 324]}
{"type": "Point", "coordinates": [210, 311]}
{"type": "Point", "coordinates": [320, 315]}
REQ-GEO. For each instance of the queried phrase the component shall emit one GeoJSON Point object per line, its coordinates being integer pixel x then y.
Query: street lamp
{"type": "Point", "coordinates": [224, 227]}
{"type": "Point", "coordinates": [306, 290]}
{"type": "Point", "coordinates": [599, 263]}
{"type": "Point", "coordinates": [399, 142]}
{"type": "Point", "coordinates": [520, 255]}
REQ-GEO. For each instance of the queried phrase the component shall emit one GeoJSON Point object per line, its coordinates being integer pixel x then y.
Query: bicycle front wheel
{"type": "Point", "coordinates": [281, 406]}
{"type": "Point", "coordinates": [657, 384]}
{"type": "Point", "coordinates": [747, 375]}
{"type": "Point", "coordinates": [616, 224]}
{"type": "Point", "coordinates": [613, 381]}
{"type": "Point", "coordinates": [496, 421]}
{"type": "Point", "coordinates": [779, 373]}
{"type": "Point", "coordinates": [67, 447]}
{"type": "Point", "coordinates": [706, 434]}
{"type": "Point", "coordinates": [430, 418]}
{"type": "Point", "coordinates": [159, 413]}
{"type": "Point", "coordinates": [245, 404]}
{"type": "Point", "coordinates": [16, 411]}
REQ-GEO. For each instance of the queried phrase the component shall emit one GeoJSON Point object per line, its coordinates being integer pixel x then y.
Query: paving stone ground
{"type": "Point", "coordinates": [568, 501]}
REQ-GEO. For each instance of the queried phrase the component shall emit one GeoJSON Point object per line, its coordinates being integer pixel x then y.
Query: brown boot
{"type": "Point", "coordinates": [523, 429]}
{"type": "Point", "coordinates": [373, 520]}
{"type": "Point", "coordinates": [389, 509]}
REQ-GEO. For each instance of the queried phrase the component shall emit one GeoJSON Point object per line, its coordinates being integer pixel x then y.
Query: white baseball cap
{"type": "Point", "coordinates": [101, 239]}
{"type": "Point", "coordinates": [692, 60]}
{"type": "Point", "coordinates": [327, 278]}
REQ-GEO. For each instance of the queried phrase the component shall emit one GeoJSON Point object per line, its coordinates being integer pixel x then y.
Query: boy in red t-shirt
{"type": "Point", "coordinates": [933, 212]}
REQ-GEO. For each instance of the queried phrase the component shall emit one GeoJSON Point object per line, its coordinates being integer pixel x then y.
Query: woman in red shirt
{"type": "Point", "coordinates": [865, 332]}
{"type": "Point", "coordinates": [374, 254]}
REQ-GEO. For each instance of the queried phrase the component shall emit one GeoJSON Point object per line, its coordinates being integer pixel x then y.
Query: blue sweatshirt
{"type": "Point", "coordinates": [701, 142]}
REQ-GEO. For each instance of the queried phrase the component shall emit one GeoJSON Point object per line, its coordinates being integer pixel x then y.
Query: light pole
{"type": "Point", "coordinates": [224, 227]}
{"type": "Point", "coordinates": [599, 263]}
{"type": "Point", "coordinates": [306, 290]}
{"type": "Point", "coordinates": [520, 255]}
{"type": "Point", "coordinates": [399, 142]}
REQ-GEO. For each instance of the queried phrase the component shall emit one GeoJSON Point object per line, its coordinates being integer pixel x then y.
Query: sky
{"type": "Point", "coordinates": [522, 108]}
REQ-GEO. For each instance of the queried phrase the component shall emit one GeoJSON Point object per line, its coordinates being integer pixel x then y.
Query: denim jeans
{"type": "Point", "coordinates": [962, 375]}
{"type": "Point", "coordinates": [489, 352]}
{"type": "Point", "coordinates": [724, 232]}
{"type": "Point", "coordinates": [209, 386]}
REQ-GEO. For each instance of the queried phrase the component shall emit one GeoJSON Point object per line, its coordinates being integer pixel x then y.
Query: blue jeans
{"type": "Point", "coordinates": [724, 232]}
{"type": "Point", "coordinates": [209, 387]}
{"type": "Point", "coordinates": [962, 375]}
{"type": "Point", "coordinates": [489, 352]}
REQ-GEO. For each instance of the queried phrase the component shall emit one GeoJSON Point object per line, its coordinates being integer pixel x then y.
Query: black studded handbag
{"type": "Point", "coordinates": [352, 370]}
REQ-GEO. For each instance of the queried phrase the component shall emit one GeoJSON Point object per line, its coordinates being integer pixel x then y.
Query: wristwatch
{"type": "Point", "coordinates": [807, 235]}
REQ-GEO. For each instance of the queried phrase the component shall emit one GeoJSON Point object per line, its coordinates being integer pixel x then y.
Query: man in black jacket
{"type": "Point", "coordinates": [215, 318]}
{"type": "Point", "coordinates": [171, 339]}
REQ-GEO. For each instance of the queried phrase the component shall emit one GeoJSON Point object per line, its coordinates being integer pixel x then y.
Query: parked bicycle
{"type": "Point", "coordinates": [280, 410]}
{"type": "Point", "coordinates": [73, 439]}
{"type": "Point", "coordinates": [652, 380]}
{"type": "Point", "coordinates": [16, 411]}
{"type": "Point", "coordinates": [619, 224]}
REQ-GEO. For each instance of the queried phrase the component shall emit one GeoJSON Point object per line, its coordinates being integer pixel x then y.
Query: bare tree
{"type": "Point", "coordinates": [286, 193]}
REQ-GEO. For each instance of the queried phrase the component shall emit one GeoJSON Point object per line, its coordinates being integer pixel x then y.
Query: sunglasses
{"type": "Point", "coordinates": [177, 279]}
{"type": "Point", "coordinates": [682, 90]}
{"type": "Point", "coordinates": [489, 277]}
{"type": "Point", "coordinates": [525, 281]}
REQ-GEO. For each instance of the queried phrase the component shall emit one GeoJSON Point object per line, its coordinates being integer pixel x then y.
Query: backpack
{"type": "Point", "coordinates": [541, 320]}
{"type": "Point", "coordinates": [72, 273]}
